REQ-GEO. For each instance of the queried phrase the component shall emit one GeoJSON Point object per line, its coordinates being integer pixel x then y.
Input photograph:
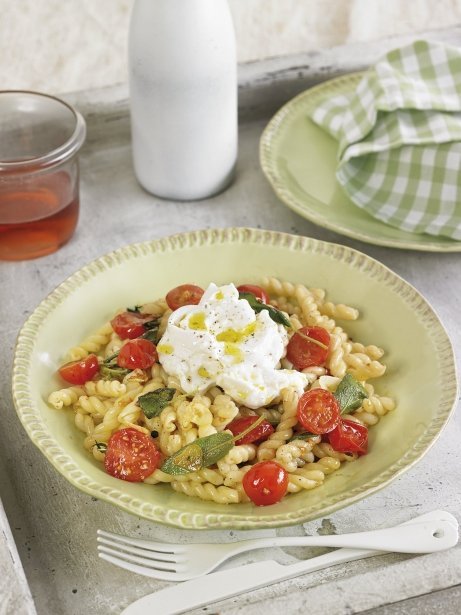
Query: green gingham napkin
{"type": "Point", "coordinates": [399, 139]}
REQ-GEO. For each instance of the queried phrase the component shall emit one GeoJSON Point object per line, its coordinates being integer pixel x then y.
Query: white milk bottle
{"type": "Point", "coordinates": [183, 96]}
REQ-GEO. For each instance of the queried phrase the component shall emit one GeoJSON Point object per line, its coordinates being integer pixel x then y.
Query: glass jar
{"type": "Point", "coordinates": [40, 137]}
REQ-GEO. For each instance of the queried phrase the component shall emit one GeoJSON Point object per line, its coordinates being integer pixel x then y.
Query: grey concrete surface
{"type": "Point", "coordinates": [54, 524]}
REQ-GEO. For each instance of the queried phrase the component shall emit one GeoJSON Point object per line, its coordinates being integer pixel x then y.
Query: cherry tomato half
{"type": "Point", "coordinates": [131, 455]}
{"type": "Point", "coordinates": [349, 437]}
{"type": "Point", "coordinates": [257, 291]}
{"type": "Point", "coordinates": [260, 433]}
{"type": "Point", "coordinates": [79, 372]}
{"type": "Point", "coordinates": [186, 294]}
{"type": "Point", "coordinates": [137, 354]}
{"type": "Point", "coordinates": [129, 325]}
{"type": "Point", "coordinates": [304, 353]}
{"type": "Point", "coordinates": [265, 483]}
{"type": "Point", "coordinates": [318, 411]}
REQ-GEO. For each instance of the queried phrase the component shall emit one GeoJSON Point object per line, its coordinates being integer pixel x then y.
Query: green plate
{"type": "Point", "coordinates": [299, 160]}
{"type": "Point", "coordinates": [421, 370]}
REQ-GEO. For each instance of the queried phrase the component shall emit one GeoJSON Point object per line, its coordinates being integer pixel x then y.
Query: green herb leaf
{"type": "Point", "coordinates": [272, 421]}
{"type": "Point", "coordinates": [303, 435]}
{"type": "Point", "coordinates": [154, 402]}
{"type": "Point", "coordinates": [112, 371]}
{"type": "Point", "coordinates": [187, 459]}
{"type": "Point", "coordinates": [135, 309]}
{"type": "Point", "coordinates": [101, 446]}
{"type": "Point", "coordinates": [111, 359]}
{"type": "Point", "coordinates": [276, 315]}
{"type": "Point", "coordinates": [350, 394]}
{"type": "Point", "coordinates": [204, 452]}
{"type": "Point", "coordinates": [151, 334]}
{"type": "Point", "coordinates": [201, 453]}
{"type": "Point", "coordinates": [152, 324]}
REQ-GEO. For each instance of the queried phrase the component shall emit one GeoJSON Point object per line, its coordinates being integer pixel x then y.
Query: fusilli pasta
{"type": "Point", "coordinates": [104, 405]}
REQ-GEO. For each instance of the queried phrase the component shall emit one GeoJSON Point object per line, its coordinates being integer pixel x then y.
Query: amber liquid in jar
{"type": "Point", "coordinates": [38, 218]}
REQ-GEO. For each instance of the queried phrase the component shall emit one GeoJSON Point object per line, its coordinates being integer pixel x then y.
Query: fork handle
{"type": "Point", "coordinates": [419, 537]}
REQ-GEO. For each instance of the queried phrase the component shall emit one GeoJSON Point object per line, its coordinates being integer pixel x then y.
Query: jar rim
{"type": "Point", "coordinates": [58, 154]}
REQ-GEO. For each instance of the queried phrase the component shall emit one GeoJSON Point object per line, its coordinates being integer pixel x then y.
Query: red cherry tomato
{"type": "Point", "coordinates": [137, 354]}
{"type": "Point", "coordinates": [129, 325]}
{"type": "Point", "coordinates": [131, 455]}
{"type": "Point", "coordinates": [79, 372]}
{"type": "Point", "coordinates": [318, 411]}
{"type": "Point", "coordinates": [304, 353]}
{"type": "Point", "coordinates": [349, 437]}
{"type": "Point", "coordinates": [186, 294]}
{"type": "Point", "coordinates": [260, 433]}
{"type": "Point", "coordinates": [257, 291]}
{"type": "Point", "coordinates": [265, 483]}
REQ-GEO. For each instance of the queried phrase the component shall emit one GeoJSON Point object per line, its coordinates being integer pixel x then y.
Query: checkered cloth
{"type": "Point", "coordinates": [399, 139]}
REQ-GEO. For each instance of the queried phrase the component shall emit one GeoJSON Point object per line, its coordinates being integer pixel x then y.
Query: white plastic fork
{"type": "Point", "coordinates": [172, 562]}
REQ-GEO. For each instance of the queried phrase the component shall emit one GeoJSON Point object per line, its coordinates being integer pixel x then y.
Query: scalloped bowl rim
{"type": "Point", "coordinates": [30, 416]}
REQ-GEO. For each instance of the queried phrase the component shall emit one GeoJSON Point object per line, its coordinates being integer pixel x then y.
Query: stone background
{"type": "Point", "coordinates": [68, 45]}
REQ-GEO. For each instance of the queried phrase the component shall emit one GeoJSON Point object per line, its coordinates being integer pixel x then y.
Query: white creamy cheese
{"type": "Point", "coordinates": [222, 341]}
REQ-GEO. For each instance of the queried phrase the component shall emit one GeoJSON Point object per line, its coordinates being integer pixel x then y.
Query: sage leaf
{"type": "Point", "coordinates": [215, 447]}
{"type": "Point", "coordinates": [152, 333]}
{"type": "Point", "coordinates": [303, 435]}
{"type": "Point", "coordinates": [152, 324]}
{"type": "Point", "coordinates": [188, 459]}
{"type": "Point", "coordinates": [154, 402]}
{"type": "Point", "coordinates": [199, 454]}
{"type": "Point", "coordinates": [111, 359]}
{"type": "Point", "coordinates": [112, 371]}
{"type": "Point", "coordinates": [276, 315]}
{"type": "Point", "coordinates": [350, 394]}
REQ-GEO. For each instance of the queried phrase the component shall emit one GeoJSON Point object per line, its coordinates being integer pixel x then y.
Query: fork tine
{"type": "Point", "coordinates": [161, 547]}
{"type": "Point", "coordinates": [144, 561]}
{"type": "Point", "coordinates": [145, 553]}
{"type": "Point", "coordinates": [147, 572]}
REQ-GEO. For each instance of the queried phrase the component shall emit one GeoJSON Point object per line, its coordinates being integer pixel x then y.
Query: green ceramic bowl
{"type": "Point", "coordinates": [421, 371]}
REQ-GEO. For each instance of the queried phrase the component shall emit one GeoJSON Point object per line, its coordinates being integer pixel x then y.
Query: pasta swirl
{"type": "Point", "coordinates": [284, 429]}
{"type": "Point", "coordinates": [102, 406]}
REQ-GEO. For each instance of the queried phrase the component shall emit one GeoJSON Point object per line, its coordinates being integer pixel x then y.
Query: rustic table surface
{"type": "Point", "coordinates": [51, 566]}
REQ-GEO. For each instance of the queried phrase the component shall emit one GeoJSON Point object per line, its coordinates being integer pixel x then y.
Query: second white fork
{"type": "Point", "coordinates": [172, 562]}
